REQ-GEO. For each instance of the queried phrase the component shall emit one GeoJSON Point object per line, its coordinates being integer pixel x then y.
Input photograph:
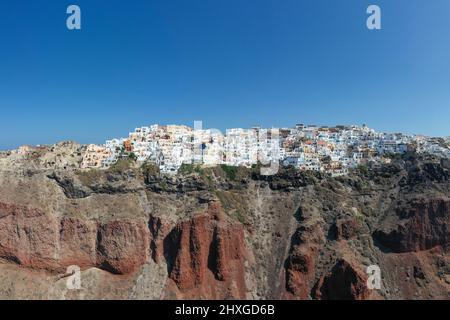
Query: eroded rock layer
{"type": "Point", "coordinates": [209, 234]}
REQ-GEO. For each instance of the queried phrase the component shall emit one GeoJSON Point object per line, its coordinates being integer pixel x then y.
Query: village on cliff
{"type": "Point", "coordinates": [334, 150]}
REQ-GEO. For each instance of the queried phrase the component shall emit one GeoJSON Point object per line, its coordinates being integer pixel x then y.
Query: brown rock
{"type": "Point", "coordinates": [158, 231]}
{"type": "Point", "coordinates": [300, 271]}
{"type": "Point", "coordinates": [122, 246]}
{"type": "Point", "coordinates": [206, 257]}
{"type": "Point", "coordinates": [422, 225]}
{"type": "Point", "coordinates": [78, 240]}
{"type": "Point", "coordinates": [37, 240]}
{"type": "Point", "coordinates": [343, 282]}
{"type": "Point", "coordinates": [28, 237]}
{"type": "Point", "coordinates": [346, 229]}
{"type": "Point", "coordinates": [301, 262]}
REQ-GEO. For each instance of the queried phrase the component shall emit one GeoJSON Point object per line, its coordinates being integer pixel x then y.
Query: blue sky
{"type": "Point", "coordinates": [230, 63]}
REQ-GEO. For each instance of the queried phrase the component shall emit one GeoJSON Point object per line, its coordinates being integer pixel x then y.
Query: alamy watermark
{"type": "Point", "coordinates": [374, 277]}
{"type": "Point", "coordinates": [73, 22]}
{"type": "Point", "coordinates": [73, 281]}
{"type": "Point", "coordinates": [374, 20]}
{"type": "Point", "coordinates": [261, 145]}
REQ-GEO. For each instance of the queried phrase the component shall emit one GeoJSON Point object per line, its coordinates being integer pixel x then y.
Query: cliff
{"type": "Point", "coordinates": [221, 233]}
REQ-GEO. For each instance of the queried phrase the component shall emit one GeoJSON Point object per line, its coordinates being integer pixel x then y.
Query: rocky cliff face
{"type": "Point", "coordinates": [423, 224]}
{"type": "Point", "coordinates": [37, 240]}
{"type": "Point", "coordinates": [213, 233]}
{"type": "Point", "coordinates": [206, 257]}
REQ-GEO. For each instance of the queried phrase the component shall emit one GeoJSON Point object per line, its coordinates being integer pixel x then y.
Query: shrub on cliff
{"type": "Point", "coordinates": [186, 169]}
{"type": "Point", "coordinates": [150, 169]}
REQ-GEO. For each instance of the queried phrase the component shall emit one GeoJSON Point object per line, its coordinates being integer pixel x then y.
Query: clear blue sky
{"type": "Point", "coordinates": [230, 63]}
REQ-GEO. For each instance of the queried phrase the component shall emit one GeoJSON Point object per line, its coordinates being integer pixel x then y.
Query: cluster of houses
{"type": "Point", "coordinates": [308, 147]}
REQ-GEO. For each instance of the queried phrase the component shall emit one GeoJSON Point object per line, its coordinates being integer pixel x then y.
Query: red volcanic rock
{"type": "Point", "coordinates": [28, 237]}
{"type": "Point", "coordinates": [346, 229]}
{"type": "Point", "coordinates": [190, 246]}
{"type": "Point", "coordinates": [423, 224]}
{"type": "Point", "coordinates": [206, 257]}
{"type": "Point", "coordinates": [227, 245]}
{"type": "Point", "coordinates": [38, 240]}
{"type": "Point", "coordinates": [215, 211]}
{"type": "Point", "coordinates": [122, 246]}
{"type": "Point", "coordinates": [78, 242]}
{"type": "Point", "coordinates": [300, 271]}
{"type": "Point", "coordinates": [343, 282]}
{"type": "Point", "coordinates": [158, 231]}
{"type": "Point", "coordinates": [301, 262]}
